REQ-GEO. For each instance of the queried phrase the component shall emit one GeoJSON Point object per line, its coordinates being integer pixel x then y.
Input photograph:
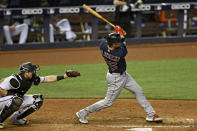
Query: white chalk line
{"type": "Point", "coordinates": [140, 129]}
{"type": "Point", "coordinates": [186, 121]}
{"type": "Point", "coordinates": [148, 126]}
{"type": "Point", "coordinates": [189, 124]}
{"type": "Point", "coordinates": [120, 125]}
{"type": "Point", "coordinates": [128, 118]}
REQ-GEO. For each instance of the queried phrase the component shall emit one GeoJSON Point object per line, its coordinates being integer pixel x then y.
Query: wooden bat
{"type": "Point", "coordinates": [117, 28]}
{"type": "Point", "coordinates": [97, 15]}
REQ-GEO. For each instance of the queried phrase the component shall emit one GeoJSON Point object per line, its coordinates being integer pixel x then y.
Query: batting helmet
{"type": "Point", "coordinates": [114, 38]}
{"type": "Point", "coordinates": [28, 67]}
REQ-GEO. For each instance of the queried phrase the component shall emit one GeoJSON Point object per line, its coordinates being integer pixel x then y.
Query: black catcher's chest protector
{"type": "Point", "coordinates": [24, 85]}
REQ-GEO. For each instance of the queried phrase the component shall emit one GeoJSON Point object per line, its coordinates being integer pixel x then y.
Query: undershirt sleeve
{"type": "Point", "coordinates": [42, 79]}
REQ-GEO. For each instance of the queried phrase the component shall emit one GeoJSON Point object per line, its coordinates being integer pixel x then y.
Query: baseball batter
{"type": "Point", "coordinates": [13, 100]}
{"type": "Point", "coordinates": [114, 52]}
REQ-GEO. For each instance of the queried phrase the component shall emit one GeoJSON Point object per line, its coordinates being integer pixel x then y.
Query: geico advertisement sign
{"type": "Point", "coordinates": [32, 11]}
{"type": "Point", "coordinates": [143, 7]}
{"type": "Point", "coordinates": [105, 8]}
{"type": "Point", "coordinates": [180, 6]}
{"type": "Point", "coordinates": [69, 10]}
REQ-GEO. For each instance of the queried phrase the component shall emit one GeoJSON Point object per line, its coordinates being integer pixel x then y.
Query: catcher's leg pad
{"type": "Point", "coordinates": [38, 102]}
{"type": "Point", "coordinates": [10, 108]}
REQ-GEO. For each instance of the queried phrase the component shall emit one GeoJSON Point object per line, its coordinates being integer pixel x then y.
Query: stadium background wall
{"type": "Point", "coordinates": [105, 9]}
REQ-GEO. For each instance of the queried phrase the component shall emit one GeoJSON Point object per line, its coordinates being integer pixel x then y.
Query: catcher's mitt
{"type": "Point", "coordinates": [72, 73]}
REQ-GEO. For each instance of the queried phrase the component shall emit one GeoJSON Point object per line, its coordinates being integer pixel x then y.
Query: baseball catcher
{"type": "Point", "coordinates": [114, 51]}
{"type": "Point", "coordinates": [13, 100]}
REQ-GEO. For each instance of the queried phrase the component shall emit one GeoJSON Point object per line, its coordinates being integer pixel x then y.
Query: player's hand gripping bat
{"type": "Point", "coordinates": [117, 28]}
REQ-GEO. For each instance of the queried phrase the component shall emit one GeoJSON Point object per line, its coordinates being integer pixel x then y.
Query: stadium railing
{"type": "Point", "coordinates": [107, 9]}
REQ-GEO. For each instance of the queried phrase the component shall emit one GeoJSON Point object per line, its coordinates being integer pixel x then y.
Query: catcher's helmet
{"type": "Point", "coordinates": [28, 67]}
{"type": "Point", "coordinates": [114, 38]}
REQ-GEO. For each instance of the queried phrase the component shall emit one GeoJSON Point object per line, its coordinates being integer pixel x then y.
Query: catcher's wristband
{"type": "Point", "coordinates": [60, 78]}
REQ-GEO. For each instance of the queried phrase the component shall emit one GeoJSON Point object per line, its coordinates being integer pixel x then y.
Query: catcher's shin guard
{"type": "Point", "coordinates": [32, 108]}
{"type": "Point", "coordinates": [10, 108]}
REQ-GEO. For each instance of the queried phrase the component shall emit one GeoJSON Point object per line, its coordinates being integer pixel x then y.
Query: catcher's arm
{"type": "Point", "coordinates": [2, 80]}
{"type": "Point", "coordinates": [3, 92]}
{"type": "Point", "coordinates": [54, 78]}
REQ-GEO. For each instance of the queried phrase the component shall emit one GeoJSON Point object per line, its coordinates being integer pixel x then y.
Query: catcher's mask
{"type": "Point", "coordinates": [114, 38]}
{"type": "Point", "coordinates": [28, 67]}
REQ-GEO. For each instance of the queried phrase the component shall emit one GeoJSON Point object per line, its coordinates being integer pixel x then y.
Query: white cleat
{"type": "Point", "coordinates": [82, 116]}
{"type": "Point", "coordinates": [155, 118]}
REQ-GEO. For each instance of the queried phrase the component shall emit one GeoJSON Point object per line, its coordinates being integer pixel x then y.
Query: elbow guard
{"type": "Point", "coordinates": [36, 80]}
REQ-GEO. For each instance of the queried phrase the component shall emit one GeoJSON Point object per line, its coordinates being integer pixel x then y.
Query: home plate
{"type": "Point", "coordinates": [140, 129]}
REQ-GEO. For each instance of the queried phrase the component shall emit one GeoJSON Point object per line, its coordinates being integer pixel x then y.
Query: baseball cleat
{"type": "Point", "coordinates": [1, 126]}
{"type": "Point", "coordinates": [155, 118]}
{"type": "Point", "coordinates": [82, 116]}
{"type": "Point", "coordinates": [22, 121]}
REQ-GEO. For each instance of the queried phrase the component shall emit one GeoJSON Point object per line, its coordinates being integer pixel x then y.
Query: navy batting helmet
{"type": "Point", "coordinates": [114, 38]}
{"type": "Point", "coordinates": [28, 67]}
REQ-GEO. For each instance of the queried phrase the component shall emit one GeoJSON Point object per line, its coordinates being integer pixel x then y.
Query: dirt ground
{"type": "Point", "coordinates": [125, 114]}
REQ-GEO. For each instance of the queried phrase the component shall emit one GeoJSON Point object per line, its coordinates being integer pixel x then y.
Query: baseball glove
{"type": "Point", "coordinates": [72, 73]}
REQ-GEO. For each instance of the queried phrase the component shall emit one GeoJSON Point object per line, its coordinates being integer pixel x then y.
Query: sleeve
{"type": "Point", "coordinates": [103, 44]}
{"type": "Point", "coordinates": [124, 50]}
{"type": "Point", "coordinates": [37, 80]}
{"type": "Point", "coordinates": [9, 83]}
{"type": "Point", "coordinates": [42, 79]}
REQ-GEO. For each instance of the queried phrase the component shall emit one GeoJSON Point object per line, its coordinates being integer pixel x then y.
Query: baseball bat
{"type": "Point", "coordinates": [97, 14]}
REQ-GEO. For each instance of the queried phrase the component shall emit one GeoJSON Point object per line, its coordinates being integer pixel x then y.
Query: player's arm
{"type": "Point", "coordinates": [121, 3]}
{"type": "Point", "coordinates": [9, 84]}
{"type": "Point", "coordinates": [117, 2]}
{"type": "Point", "coordinates": [3, 6]}
{"type": "Point", "coordinates": [124, 50]}
{"type": "Point", "coordinates": [2, 80]}
{"type": "Point", "coordinates": [55, 27]}
{"type": "Point", "coordinates": [13, 27]}
{"type": "Point", "coordinates": [3, 92]}
{"type": "Point", "coordinates": [103, 45]}
{"type": "Point", "coordinates": [54, 78]}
